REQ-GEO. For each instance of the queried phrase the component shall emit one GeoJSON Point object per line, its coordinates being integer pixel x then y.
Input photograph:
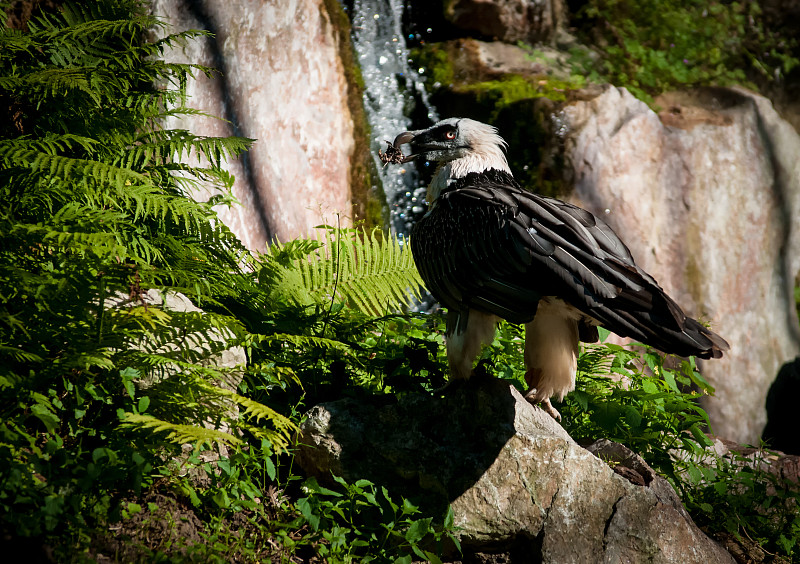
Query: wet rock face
{"type": "Point", "coordinates": [707, 196]}
{"type": "Point", "coordinates": [531, 21]}
{"type": "Point", "coordinates": [517, 483]}
{"type": "Point", "coordinates": [282, 83]}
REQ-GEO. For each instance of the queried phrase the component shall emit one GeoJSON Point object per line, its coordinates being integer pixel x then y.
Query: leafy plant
{"type": "Point", "coordinates": [657, 46]}
{"type": "Point", "coordinates": [361, 522]}
{"type": "Point", "coordinates": [648, 402]}
{"type": "Point", "coordinates": [369, 271]}
{"type": "Point", "coordinates": [108, 397]}
{"type": "Point", "coordinates": [98, 214]}
{"type": "Point", "coordinates": [647, 406]}
{"type": "Point", "coordinates": [739, 496]}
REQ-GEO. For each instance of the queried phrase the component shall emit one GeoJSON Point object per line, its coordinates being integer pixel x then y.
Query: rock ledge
{"type": "Point", "coordinates": [515, 479]}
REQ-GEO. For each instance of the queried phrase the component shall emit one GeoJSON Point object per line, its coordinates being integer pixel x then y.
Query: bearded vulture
{"type": "Point", "coordinates": [489, 250]}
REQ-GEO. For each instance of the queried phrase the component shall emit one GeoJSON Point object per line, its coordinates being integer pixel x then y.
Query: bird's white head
{"type": "Point", "coordinates": [460, 145]}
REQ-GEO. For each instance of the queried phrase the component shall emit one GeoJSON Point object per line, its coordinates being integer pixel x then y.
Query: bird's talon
{"type": "Point", "coordinates": [550, 410]}
{"type": "Point", "coordinates": [531, 396]}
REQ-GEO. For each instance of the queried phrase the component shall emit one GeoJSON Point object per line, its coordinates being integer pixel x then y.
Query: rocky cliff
{"type": "Point", "coordinates": [282, 80]}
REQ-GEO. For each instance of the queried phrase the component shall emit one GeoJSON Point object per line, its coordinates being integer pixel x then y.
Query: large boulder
{"type": "Point", "coordinates": [517, 483]}
{"type": "Point", "coordinates": [707, 196]}
{"type": "Point", "coordinates": [531, 21]}
{"type": "Point", "coordinates": [282, 82]}
{"type": "Point", "coordinates": [466, 61]}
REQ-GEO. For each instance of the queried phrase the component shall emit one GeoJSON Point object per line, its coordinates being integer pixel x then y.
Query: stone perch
{"type": "Point", "coordinates": [518, 484]}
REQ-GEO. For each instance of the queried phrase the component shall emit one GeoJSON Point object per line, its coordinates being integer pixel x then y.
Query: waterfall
{"type": "Point", "coordinates": [392, 89]}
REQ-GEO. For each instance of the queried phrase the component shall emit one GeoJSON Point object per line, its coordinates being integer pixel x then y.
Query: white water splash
{"type": "Point", "coordinates": [391, 90]}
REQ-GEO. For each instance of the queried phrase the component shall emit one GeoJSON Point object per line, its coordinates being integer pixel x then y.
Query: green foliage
{"type": "Point", "coordinates": [653, 47]}
{"type": "Point", "coordinates": [647, 406]}
{"type": "Point", "coordinates": [495, 95]}
{"type": "Point", "coordinates": [650, 405]}
{"type": "Point", "coordinates": [512, 88]}
{"type": "Point", "coordinates": [369, 272]}
{"type": "Point", "coordinates": [360, 522]}
{"type": "Point", "coordinates": [740, 496]}
{"type": "Point", "coordinates": [107, 395]}
{"type": "Point", "coordinates": [97, 211]}
{"type": "Point", "coordinates": [436, 63]}
{"type": "Point", "coordinates": [648, 402]}
{"type": "Point", "coordinates": [797, 299]}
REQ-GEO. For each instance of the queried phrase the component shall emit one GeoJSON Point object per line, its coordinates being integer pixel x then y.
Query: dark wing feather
{"type": "Point", "coordinates": [487, 244]}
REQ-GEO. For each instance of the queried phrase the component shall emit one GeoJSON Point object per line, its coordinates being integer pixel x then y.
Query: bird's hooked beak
{"type": "Point", "coordinates": [402, 139]}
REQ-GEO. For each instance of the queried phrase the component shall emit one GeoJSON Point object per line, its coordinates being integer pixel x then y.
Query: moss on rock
{"type": "Point", "coordinates": [369, 204]}
{"type": "Point", "coordinates": [518, 103]}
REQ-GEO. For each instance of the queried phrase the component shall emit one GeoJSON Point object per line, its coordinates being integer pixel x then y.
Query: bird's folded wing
{"type": "Point", "coordinates": [500, 249]}
{"type": "Point", "coordinates": [494, 247]}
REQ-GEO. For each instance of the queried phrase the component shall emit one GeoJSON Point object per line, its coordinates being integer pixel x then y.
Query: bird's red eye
{"type": "Point", "coordinates": [450, 134]}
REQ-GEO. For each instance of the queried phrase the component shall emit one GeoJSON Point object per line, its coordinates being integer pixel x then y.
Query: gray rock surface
{"type": "Point", "coordinates": [516, 481]}
{"type": "Point", "coordinates": [475, 61]}
{"type": "Point", "coordinates": [282, 83]}
{"type": "Point", "coordinates": [707, 196]}
{"type": "Point", "coordinates": [531, 21]}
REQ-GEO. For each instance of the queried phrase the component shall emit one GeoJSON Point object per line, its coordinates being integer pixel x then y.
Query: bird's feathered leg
{"type": "Point", "coordinates": [467, 332]}
{"type": "Point", "coordinates": [551, 353]}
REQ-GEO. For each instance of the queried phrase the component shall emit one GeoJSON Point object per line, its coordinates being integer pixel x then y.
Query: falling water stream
{"type": "Point", "coordinates": [392, 89]}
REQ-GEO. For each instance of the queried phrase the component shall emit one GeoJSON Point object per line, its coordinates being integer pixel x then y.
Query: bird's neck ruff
{"type": "Point", "coordinates": [482, 159]}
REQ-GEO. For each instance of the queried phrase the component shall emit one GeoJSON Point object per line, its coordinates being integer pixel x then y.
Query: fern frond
{"type": "Point", "coordinates": [175, 144]}
{"type": "Point", "coordinates": [303, 342]}
{"type": "Point", "coordinates": [374, 274]}
{"type": "Point", "coordinates": [277, 373]}
{"type": "Point", "coordinates": [14, 354]}
{"type": "Point", "coordinates": [284, 427]}
{"type": "Point", "coordinates": [178, 433]}
{"type": "Point", "coordinates": [69, 169]}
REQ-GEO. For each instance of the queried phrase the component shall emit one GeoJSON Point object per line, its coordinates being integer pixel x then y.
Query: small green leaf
{"type": "Point", "coordinates": [787, 544]}
{"type": "Point", "coordinates": [128, 375]}
{"type": "Point", "coordinates": [669, 378]}
{"type": "Point", "coordinates": [582, 398]}
{"type": "Point", "coordinates": [409, 508]}
{"type": "Point", "coordinates": [221, 499]}
{"type": "Point", "coordinates": [133, 508]}
{"type": "Point", "coordinates": [431, 557]}
{"type": "Point", "coordinates": [633, 417]}
{"type": "Point", "coordinates": [224, 465]}
{"type": "Point", "coordinates": [47, 417]}
{"type": "Point", "coordinates": [311, 485]}
{"type": "Point", "coordinates": [449, 518]}
{"type": "Point", "coordinates": [269, 466]}
{"type": "Point", "coordinates": [388, 499]}
{"type": "Point", "coordinates": [363, 484]}
{"type": "Point", "coordinates": [418, 530]}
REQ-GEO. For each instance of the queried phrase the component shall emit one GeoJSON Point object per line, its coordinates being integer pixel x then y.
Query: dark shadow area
{"type": "Point", "coordinates": [780, 433]}
{"type": "Point", "coordinates": [522, 551]}
{"type": "Point", "coordinates": [31, 550]}
{"type": "Point", "coordinates": [439, 445]}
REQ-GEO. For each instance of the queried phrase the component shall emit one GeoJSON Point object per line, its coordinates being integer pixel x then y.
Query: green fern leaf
{"type": "Point", "coordinates": [178, 433]}
{"type": "Point", "coordinates": [296, 341]}
{"type": "Point", "coordinates": [373, 274]}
